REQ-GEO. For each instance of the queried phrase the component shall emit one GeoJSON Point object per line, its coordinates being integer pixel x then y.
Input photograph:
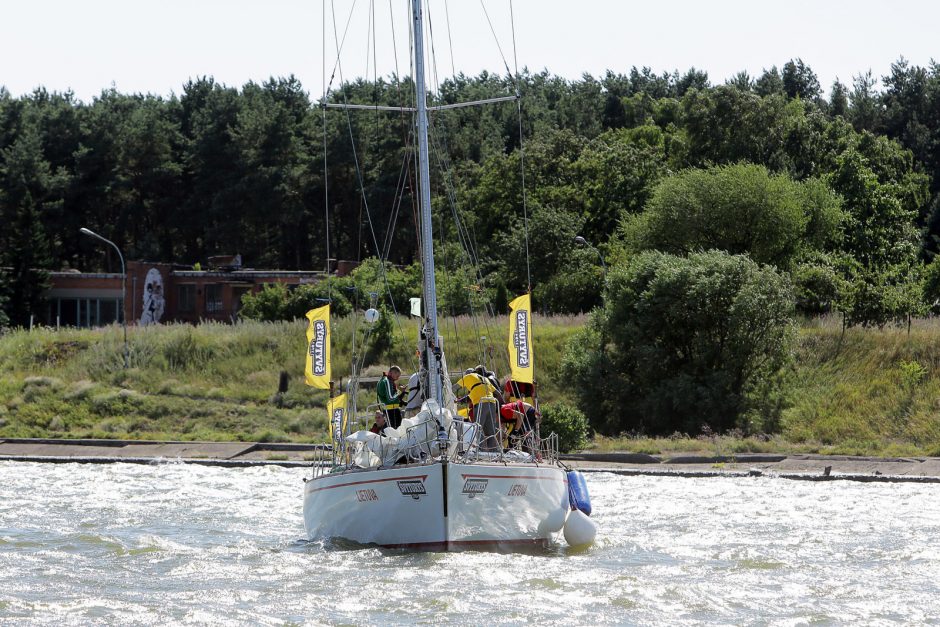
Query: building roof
{"type": "Point", "coordinates": [247, 274]}
{"type": "Point", "coordinates": [85, 275]}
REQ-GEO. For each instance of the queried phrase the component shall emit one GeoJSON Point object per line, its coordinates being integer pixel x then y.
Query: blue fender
{"type": "Point", "coordinates": [578, 496]}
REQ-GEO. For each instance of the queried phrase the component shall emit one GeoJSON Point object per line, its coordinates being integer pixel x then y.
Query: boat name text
{"type": "Point", "coordinates": [366, 495]}
{"type": "Point", "coordinates": [517, 489]}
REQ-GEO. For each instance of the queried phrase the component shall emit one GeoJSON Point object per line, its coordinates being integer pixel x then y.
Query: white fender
{"type": "Point", "coordinates": [579, 529]}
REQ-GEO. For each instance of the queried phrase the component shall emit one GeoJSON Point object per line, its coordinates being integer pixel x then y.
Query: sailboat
{"type": "Point", "coordinates": [433, 483]}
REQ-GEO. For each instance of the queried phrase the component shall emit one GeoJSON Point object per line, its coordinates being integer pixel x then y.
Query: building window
{"type": "Point", "coordinates": [85, 312]}
{"type": "Point", "coordinates": [187, 298]}
{"type": "Point", "coordinates": [213, 298]}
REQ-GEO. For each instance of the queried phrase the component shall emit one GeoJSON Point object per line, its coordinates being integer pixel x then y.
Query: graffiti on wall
{"type": "Point", "coordinates": [154, 304]}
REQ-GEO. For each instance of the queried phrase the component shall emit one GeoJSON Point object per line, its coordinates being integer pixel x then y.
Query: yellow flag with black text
{"type": "Point", "coordinates": [336, 412]}
{"type": "Point", "coordinates": [317, 369]}
{"type": "Point", "coordinates": [521, 357]}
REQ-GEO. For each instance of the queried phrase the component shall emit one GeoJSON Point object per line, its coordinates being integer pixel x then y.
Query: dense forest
{"type": "Point", "coordinates": [840, 190]}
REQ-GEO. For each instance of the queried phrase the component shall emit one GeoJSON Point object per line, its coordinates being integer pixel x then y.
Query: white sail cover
{"type": "Point", "coordinates": [416, 437]}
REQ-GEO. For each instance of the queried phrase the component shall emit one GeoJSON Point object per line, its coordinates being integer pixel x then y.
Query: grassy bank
{"type": "Point", "coordinates": [213, 381]}
{"type": "Point", "coordinates": [864, 392]}
{"type": "Point", "coordinates": [861, 392]}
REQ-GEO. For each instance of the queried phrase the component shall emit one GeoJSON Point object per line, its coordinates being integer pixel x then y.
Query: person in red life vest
{"type": "Point", "coordinates": [523, 416]}
{"type": "Point", "coordinates": [379, 425]}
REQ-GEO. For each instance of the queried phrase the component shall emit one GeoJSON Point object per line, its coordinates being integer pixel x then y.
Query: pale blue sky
{"type": "Point", "coordinates": [156, 46]}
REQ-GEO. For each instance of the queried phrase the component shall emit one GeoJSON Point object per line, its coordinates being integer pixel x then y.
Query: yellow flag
{"type": "Point", "coordinates": [336, 413]}
{"type": "Point", "coordinates": [521, 357]}
{"type": "Point", "coordinates": [317, 369]}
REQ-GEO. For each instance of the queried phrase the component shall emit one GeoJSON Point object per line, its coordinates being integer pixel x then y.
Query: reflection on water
{"type": "Point", "coordinates": [89, 544]}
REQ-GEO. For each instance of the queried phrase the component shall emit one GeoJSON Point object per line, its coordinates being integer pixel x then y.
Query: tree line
{"type": "Point", "coordinates": [841, 190]}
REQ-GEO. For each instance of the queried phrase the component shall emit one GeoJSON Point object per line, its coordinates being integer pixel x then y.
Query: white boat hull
{"type": "Point", "coordinates": [439, 506]}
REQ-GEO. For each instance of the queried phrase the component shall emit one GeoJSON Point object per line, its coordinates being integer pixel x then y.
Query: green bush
{"type": "Point", "coordinates": [686, 342]}
{"type": "Point", "coordinates": [307, 297]}
{"type": "Point", "coordinates": [568, 422]}
{"type": "Point", "coordinates": [394, 287]}
{"type": "Point", "coordinates": [819, 285]}
{"type": "Point", "coordinates": [268, 305]}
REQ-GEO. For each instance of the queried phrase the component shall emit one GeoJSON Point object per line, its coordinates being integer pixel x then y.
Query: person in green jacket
{"type": "Point", "coordinates": [390, 397]}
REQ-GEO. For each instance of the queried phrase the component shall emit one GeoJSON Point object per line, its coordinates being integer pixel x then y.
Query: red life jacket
{"type": "Point", "coordinates": [506, 411]}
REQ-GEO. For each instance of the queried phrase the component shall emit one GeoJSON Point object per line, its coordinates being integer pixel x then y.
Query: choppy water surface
{"type": "Point", "coordinates": [126, 544]}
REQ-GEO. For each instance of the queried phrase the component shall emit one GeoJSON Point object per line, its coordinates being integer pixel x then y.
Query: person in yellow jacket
{"type": "Point", "coordinates": [484, 399]}
{"type": "Point", "coordinates": [390, 397]}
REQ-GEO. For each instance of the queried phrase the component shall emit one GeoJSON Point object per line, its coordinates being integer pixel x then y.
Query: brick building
{"type": "Point", "coordinates": [161, 292]}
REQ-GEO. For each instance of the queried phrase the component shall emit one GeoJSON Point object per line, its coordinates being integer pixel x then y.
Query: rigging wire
{"type": "Point", "coordinates": [462, 232]}
{"type": "Point", "coordinates": [326, 181]}
{"type": "Point", "coordinates": [495, 38]}
{"type": "Point", "coordinates": [364, 204]}
{"type": "Point", "coordinates": [403, 176]}
{"type": "Point", "coordinates": [339, 44]}
{"type": "Point", "coordinates": [450, 42]}
{"type": "Point", "coordinates": [465, 234]}
{"type": "Point", "coordinates": [525, 208]}
{"type": "Point", "coordinates": [440, 155]}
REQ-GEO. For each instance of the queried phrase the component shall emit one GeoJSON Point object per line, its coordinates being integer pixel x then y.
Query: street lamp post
{"type": "Point", "coordinates": [580, 241]}
{"type": "Point", "coordinates": [91, 233]}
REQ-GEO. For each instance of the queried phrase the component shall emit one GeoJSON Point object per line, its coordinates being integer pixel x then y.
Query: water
{"type": "Point", "coordinates": [127, 544]}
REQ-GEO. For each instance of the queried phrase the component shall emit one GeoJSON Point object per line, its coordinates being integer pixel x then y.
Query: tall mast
{"type": "Point", "coordinates": [427, 235]}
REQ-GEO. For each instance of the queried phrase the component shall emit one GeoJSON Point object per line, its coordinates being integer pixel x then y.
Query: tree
{"type": "Point", "coordinates": [25, 179]}
{"type": "Point", "coordinates": [881, 237]}
{"type": "Point", "coordinates": [576, 286]}
{"type": "Point", "coordinates": [381, 335]}
{"type": "Point", "coordinates": [684, 342]}
{"type": "Point", "coordinates": [879, 229]}
{"type": "Point", "coordinates": [616, 174]}
{"type": "Point", "coordinates": [741, 81]}
{"type": "Point", "coordinates": [769, 83]}
{"type": "Point", "coordinates": [799, 80]}
{"type": "Point", "coordinates": [739, 209]}
{"type": "Point", "coordinates": [839, 99]}
{"type": "Point", "coordinates": [865, 108]}
{"type": "Point", "coordinates": [820, 285]}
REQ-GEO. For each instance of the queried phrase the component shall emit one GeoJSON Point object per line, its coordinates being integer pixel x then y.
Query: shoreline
{"type": "Point", "coordinates": [249, 454]}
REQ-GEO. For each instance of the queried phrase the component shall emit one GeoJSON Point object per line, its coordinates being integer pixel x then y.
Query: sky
{"type": "Point", "coordinates": [156, 46]}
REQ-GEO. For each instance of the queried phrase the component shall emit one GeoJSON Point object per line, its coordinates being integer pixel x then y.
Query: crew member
{"type": "Point", "coordinates": [379, 425]}
{"type": "Point", "coordinates": [390, 396]}
{"type": "Point", "coordinates": [483, 396]}
{"type": "Point", "coordinates": [522, 415]}
{"type": "Point", "coordinates": [522, 418]}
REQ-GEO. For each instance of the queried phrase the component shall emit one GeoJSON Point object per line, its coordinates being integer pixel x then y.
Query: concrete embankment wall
{"type": "Point", "coordinates": [244, 454]}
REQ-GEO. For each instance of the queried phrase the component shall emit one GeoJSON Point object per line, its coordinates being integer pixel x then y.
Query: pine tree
{"type": "Point", "coordinates": [25, 177]}
{"type": "Point", "coordinates": [28, 258]}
